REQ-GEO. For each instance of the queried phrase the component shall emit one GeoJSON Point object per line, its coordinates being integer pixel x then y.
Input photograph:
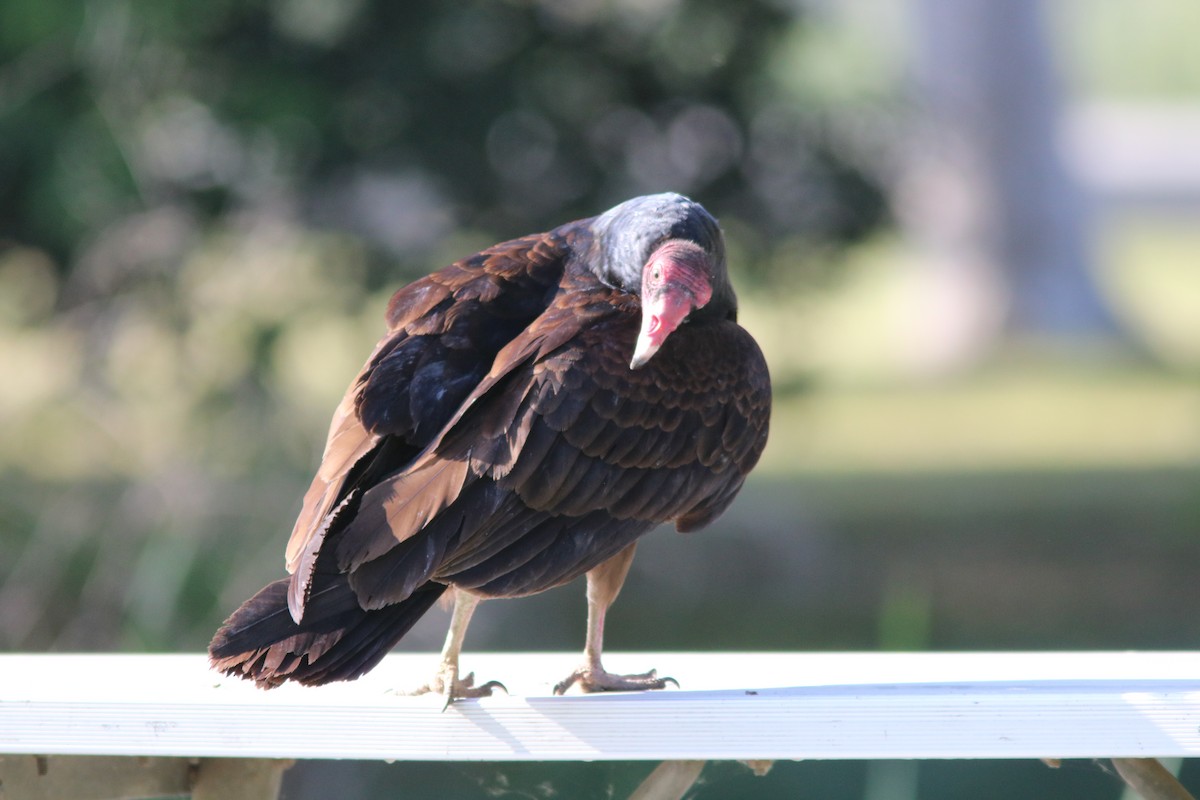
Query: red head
{"type": "Point", "coordinates": [675, 282]}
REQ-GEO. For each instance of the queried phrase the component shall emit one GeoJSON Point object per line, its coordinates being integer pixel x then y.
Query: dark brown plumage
{"type": "Point", "coordinates": [531, 412]}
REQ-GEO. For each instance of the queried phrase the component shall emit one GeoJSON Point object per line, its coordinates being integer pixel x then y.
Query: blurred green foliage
{"type": "Point", "coordinates": [1131, 51]}
{"type": "Point", "coordinates": [203, 208]}
{"type": "Point", "coordinates": [403, 121]}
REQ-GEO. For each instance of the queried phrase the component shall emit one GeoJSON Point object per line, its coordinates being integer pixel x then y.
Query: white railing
{"type": "Point", "coordinates": [731, 706]}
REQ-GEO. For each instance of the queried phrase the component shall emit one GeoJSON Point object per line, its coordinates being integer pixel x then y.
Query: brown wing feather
{"type": "Point", "coordinates": [405, 504]}
{"type": "Point", "coordinates": [577, 455]}
{"type": "Point", "coordinates": [599, 454]}
{"type": "Point", "coordinates": [506, 287]}
{"type": "Point", "coordinates": [659, 441]}
{"type": "Point", "coordinates": [497, 440]}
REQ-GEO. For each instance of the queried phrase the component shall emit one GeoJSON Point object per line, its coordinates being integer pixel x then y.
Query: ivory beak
{"type": "Point", "coordinates": [661, 315]}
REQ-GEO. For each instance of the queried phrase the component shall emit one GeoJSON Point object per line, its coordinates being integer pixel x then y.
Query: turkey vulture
{"type": "Point", "coordinates": [531, 411]}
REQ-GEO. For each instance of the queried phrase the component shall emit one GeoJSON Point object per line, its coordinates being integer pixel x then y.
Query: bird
{"type": "Point", "coordinates": [530, 413]}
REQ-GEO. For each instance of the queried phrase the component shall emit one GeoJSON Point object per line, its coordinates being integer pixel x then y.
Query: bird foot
{"type": "Point", "coordinates": [447, 683]}
{"type": "Point", "coordinates": [597, 679]}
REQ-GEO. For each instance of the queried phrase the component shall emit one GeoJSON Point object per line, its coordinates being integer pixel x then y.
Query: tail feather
{"type": "Point", "coordinates": [337, 640]}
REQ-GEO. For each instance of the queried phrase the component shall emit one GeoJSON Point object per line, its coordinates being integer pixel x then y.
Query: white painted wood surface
{"type": "Point", "coordinates": [732, 705]}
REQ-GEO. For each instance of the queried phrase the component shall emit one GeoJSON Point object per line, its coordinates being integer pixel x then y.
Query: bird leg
{"type": "Point", "coordinates": [603, 584]}
{"type": "Point", "coordinates": [446, 681]}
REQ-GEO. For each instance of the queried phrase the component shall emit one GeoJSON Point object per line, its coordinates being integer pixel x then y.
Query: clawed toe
{"type": "Point", "coordinates": [467, 688]}
{"type": "Point", "coordinates": [597, 679]}
{"type": "Point", "coordinates": [448, 684]}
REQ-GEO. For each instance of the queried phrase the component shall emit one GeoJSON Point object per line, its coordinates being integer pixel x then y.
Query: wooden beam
{"type": "Point", "coordinates": [138, 777]}
{"type": "Point", "coordinates": [93, 777]}
{"type": "Point", "coordinates": [238, 778]}
{"type": "Point", "coordinates": [732, 706]}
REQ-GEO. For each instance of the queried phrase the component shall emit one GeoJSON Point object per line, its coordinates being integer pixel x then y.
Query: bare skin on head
{"type": "Point", "coordinates": [674, 284]}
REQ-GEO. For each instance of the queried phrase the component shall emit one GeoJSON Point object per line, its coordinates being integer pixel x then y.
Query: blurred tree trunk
{"type": "Point", "coordinates": [988, 191]}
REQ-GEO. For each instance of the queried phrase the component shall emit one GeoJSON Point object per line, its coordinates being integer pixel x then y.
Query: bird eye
{"type": "Point", "coordinates": [657, 273]}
